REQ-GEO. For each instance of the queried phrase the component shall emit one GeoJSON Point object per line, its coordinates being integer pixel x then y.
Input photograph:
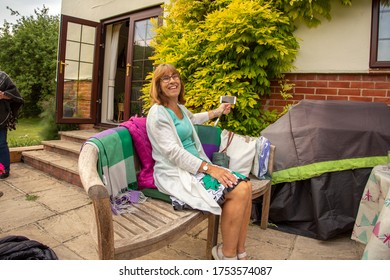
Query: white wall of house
{"type": "Point", "coordinates": [96, 10]}
{"type": "Point", "coordinates": [341, 45]}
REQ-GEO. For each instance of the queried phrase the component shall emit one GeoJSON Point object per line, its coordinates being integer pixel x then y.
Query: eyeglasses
{"type": "Point", "coordinates": [166, 79]}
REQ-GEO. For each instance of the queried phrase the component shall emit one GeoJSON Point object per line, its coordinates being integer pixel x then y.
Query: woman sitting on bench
{"type": "Point", "coordinates": [182, 169]}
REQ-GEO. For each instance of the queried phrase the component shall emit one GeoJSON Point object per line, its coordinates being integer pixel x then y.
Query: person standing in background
{"type": "Point", "coordinates": [10, 104]}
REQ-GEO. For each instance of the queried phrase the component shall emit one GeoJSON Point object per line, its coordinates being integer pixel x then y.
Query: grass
{"type": "Point", "coordinates": [31, 197]}
{"type": "Point", "coordinates": [27, 133]}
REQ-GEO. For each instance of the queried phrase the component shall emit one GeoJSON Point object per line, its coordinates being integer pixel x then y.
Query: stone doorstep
{"type": "Point", "coordinates": [16, 153]}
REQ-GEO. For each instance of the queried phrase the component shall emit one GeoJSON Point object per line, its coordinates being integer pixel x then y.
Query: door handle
{"type": "Point", "coordinates": [62, 65]}
{"type": "Point", "coordinates": [128, 66]}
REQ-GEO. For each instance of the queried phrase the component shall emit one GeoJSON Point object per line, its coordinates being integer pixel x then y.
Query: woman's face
{"type": "Point", "coordinates": [170, 85]}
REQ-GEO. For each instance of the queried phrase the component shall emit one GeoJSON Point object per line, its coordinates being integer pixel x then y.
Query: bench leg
{"type": "Point", "coordinates": [265, 209]}
{"type": "Point", "coordinates": [212, 234]}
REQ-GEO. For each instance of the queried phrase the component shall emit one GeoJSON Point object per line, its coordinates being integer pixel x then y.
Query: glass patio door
{"type": "Point", "coordinates": [76, 77]}
{"type": "Point", "coordinates": [126, 64]}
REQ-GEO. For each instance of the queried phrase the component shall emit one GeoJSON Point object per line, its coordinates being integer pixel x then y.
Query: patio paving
{"type": "Point", "coordinates": [60, 218]}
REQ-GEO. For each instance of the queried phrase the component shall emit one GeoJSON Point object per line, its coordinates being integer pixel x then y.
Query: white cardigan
{"type": "Point", "coordinates": [175, 167]}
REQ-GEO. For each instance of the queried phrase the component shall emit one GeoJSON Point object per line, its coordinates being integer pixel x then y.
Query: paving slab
{"type": "Point", "coordinates": [190, 247]}
{"type": "Point", "coordinates": [60, 218]}
{"type": "Point", "coordinates": [83, 246]}
{"type": "Point", "coordinates": [19, 212]}
{"type": "Point", "coordinates": [32, 185]}
{"type": "Point", "coordinates": [62, 199]}
{"type": "Point", "coordinates": [34, 232]}
{"type": "Point", "coordinates": [340, 247]}
{"type": "Point", "coordinates": [8, 191]}
{"type": "Point", "coordinates": [269, 244]}
{"type": "Point", "coordinates": [69, 225]}
{"type": "Point", "coordinates": [24, 172]}
{"type": "Point", "coordinates": [64, 253]}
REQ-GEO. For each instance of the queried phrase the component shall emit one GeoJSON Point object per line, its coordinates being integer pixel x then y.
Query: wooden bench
{"type": "Point", "coordinates": [153, 224]}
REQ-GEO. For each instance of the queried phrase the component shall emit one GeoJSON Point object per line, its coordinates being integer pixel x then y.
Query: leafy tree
{"type": "Point", "coordinates": [28, 54]}
{"type": "Point", "coordinates": [227, 47]}
{"type": "Point", "coordinates": [309, 11]}
{"type": "Point", "coordinates": [233, 47]}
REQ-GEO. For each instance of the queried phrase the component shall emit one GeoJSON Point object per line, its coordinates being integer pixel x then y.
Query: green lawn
{"type": "Point", "coordinates": [27, 133]}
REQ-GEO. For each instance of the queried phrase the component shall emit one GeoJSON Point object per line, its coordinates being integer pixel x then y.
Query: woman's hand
{"type": "Point", "coordinates": [3, 96]}
{"type": "Point", "coordinates": [224, 108]}
{"type": "Point", "coordinates": [224, 176]}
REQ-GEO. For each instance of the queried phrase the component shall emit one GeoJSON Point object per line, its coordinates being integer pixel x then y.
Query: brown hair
{"type": "Point", "coordinates": [156, 92]}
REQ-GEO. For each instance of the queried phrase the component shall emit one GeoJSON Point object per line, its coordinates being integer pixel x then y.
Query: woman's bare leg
{"type": "Point", "coordinates": [245, 223]}
{"type": "Point", "coordinates": [234, 213]}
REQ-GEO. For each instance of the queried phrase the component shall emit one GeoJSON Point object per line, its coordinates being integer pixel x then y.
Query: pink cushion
{"type": "Point", "coordinates": [137, 127]}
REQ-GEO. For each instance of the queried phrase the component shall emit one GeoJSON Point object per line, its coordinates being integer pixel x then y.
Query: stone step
{"type": "Point", "coordinates": [63, 147]}
{"type": "Point", "coordinates": [78, 136]}
{"type": "Point", "coordinates": [57, 165]}
{"type": "Point", "coordinates": [16, 152]}
{"type": "Point", "coordinates": [59, 158]}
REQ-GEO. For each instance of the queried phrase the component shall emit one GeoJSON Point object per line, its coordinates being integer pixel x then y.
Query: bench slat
{"type": "Point", "coordinates": [150, 211]}
{"type": "Point", "coordinates": [133, 225]}
{"type": "Point", "coordinates": [121, 232]}
{"type": "Point", "coordinates": [149, 242]}
{"type": "Point", "coordinates": [259, 186]}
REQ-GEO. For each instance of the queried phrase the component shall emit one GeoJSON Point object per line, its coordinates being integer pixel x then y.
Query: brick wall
{"type": "Point", "coordinates": [353, 87]}
{"type": "Point", "coordinates": [78, 95]}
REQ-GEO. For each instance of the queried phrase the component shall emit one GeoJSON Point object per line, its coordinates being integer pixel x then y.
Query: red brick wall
{"type": "Point", "coordinates": [353, 87]}
{"type": "Point", "coordinates": [79, 92]}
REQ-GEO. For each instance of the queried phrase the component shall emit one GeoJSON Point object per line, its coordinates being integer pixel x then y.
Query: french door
{"type": "Point", "coordinates": [77, 77]}
{"type": "Point", "coordinates": [102, 67]}
{"type": "Point", "coordinates": [126, 64]}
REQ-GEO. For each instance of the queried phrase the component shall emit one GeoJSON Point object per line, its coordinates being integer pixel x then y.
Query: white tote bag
{"type": "Point", "coordinates": [241, 151]}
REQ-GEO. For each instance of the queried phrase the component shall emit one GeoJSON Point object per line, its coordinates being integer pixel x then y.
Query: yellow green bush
{"type": "Point", "coordinates": [232, 47]}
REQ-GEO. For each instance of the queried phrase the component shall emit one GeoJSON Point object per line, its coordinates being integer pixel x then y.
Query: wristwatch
{"type": "Point", "coordinates": [205, 167]}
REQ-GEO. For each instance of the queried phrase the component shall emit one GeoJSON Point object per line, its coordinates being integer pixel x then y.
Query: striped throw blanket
{"type": "Point", "coordinates": [116, 167]}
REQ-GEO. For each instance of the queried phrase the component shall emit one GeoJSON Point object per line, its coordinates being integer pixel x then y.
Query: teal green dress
{"type": "Point", "coordinates": [216, 189]}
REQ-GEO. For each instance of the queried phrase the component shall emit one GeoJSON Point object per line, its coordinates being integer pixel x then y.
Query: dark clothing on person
{"type": "Point", "coordinates": [9, 112]}
{"type": "Point", "coordinates": [9, 108]}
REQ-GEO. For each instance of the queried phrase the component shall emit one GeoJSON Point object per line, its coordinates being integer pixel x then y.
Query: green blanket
{"type": "Point", "coordinates": [116, 160]}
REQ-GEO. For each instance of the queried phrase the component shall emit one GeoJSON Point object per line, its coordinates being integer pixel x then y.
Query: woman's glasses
{"type": "Point", "coordinates": [166, 79]}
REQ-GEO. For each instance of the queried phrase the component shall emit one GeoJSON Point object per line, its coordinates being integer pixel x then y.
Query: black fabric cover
{"type": "Point", "coordinates": [21, 248]}
{"type": "Point", "coordinates": [325, 205]}
{"type": "Point", "coordinates": [321, 207]}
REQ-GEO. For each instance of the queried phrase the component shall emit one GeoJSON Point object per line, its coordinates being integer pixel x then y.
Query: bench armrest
{"type": "Point", "coordinates": [98, 193]}
{"type": "Point", "coordinates": [88, 168]}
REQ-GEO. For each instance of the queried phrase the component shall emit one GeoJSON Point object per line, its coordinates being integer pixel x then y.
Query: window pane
{"type": "Point", "coordinates": [137, 70]}
{"type": "Point", "coordinates": [74, 32]}
{"type": "Point", "coordinates": [86, 53]}
{"type": "Point", "coordinates": [384, 34]}
{"type": "Point", "coordinates": [384, 50]}
{"type": "Point", "coordinates": [141, 63]}
{"type": "Point", "coordinates": [71, 70]}
{"type": "Point", "coordinates": [138, 52]}
{"type": "Point", "coordinates": [86, 71]}
{"type": "Point", "coordinates": [88, 36]}
{"type": "Point", "coordinates": [148, 65]}
{"type": "Point", "coordinates": [148, 50]}
{"type": "Point", "coordinates": [136, 103]}
{"type": "Point", "coordinates": [72, 50]}
{"type": "Point", "coordinates": [140, 30]}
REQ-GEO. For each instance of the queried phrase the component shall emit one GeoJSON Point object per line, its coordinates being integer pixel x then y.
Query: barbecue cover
{"type": "Point", "coordinates": [325, 151]}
